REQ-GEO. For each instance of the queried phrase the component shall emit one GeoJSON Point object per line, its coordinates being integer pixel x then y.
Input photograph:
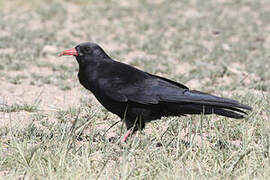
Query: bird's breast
{"type": "Point", "coordinates": [86, 81]}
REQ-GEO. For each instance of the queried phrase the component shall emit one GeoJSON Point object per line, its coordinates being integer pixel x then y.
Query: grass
{"type": "Point", "coordinates": [18, 107]}
{"type": "Point", "coordinates": [217, 47]}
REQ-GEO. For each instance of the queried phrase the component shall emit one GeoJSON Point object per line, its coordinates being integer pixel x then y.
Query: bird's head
{"type": "Point", "coordinates": [86, 52]}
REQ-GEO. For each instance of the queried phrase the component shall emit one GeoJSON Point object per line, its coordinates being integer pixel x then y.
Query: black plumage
{"type": "Point", "coordinates": [138, 97]}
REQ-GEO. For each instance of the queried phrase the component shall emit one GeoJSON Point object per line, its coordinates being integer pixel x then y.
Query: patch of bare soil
{"type": "Point", "coordinates": [48, 99]}
{"type": "Point", "coordinates": [7, 50]}
{"type": "Point", "coordinates": [183, 68]}
{"type": "Point", "coordinates": [197, 83]}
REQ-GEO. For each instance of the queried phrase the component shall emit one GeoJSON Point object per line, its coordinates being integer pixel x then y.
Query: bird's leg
{"type": "Point", "coordinates": [128, 133]}
{"type": "Point", "coordinates": [130, 126]}
{"type": "Point", "coordinates": [133, 127]}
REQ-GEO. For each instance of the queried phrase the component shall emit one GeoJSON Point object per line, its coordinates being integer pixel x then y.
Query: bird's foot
{"type": "Point", "coordinates": [128, 133]}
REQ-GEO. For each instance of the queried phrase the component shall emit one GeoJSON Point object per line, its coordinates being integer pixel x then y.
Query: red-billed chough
{"type": "Point", "coordinates": [138, 97]}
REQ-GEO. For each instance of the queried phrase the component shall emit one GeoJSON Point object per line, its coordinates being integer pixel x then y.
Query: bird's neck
{"type": "Point", "coordinates": [90, 71]}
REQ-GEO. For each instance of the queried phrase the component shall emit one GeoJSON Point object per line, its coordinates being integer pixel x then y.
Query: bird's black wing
{"type": "Point", "coordinates": [130, 84]}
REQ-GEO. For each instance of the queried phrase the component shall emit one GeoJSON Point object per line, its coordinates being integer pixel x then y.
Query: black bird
{"type": "Point", "coordinates": [138, 97]}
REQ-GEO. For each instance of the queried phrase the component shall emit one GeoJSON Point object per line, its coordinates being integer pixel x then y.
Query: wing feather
{"type": "Point", "coordinates": [143, 88]}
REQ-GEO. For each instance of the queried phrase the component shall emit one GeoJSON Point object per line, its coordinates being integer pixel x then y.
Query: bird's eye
{"type": "Point", "coordinates": [87, 50]}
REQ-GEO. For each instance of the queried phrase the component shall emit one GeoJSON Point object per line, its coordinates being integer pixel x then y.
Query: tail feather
{"type": "Point", "coordinates": [202, 103]}
{"type": "Point", "coordinates": [208, 99]}
{"type": "Point", "coordinates": [192, 108]}
{"type": "Point", "coordinates": [228, 113]}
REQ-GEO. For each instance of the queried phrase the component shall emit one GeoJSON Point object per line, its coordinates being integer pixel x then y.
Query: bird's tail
{"type": "Point", "coordinates": [201, 103]}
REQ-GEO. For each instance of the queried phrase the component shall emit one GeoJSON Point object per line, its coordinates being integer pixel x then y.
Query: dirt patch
{"type": "Point", "coordinates": [7, 51]}
{"type": "Point", "coordinates": [47, 98]}
{"type": "Point", "coordinates": [15, 119]}
{"type": "Point", "coordinates": [183, 68]}
{"type": "Point", "coordinates": [197, 83]}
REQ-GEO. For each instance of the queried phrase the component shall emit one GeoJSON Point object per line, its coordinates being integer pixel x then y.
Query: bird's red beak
{"type": "Point", "coordinates": [71, 51]}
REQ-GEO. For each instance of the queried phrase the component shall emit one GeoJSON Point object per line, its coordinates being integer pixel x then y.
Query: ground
{"type": "Point", "coordinates": [51, 127]}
